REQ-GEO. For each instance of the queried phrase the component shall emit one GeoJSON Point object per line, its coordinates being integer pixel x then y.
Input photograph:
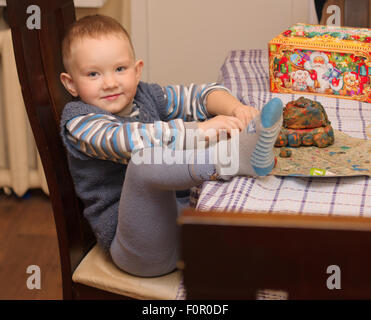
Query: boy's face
{"type": "Point", "coordinates": [103, 72]}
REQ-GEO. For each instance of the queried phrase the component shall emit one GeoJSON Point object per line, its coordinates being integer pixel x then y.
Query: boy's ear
{"type": "Point", "coordinates": [68, 83]}
{"type": "Point", "coordinates": [138, 69]}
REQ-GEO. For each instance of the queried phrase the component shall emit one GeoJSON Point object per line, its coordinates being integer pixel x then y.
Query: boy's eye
{"type": "Point", "coordinates": [119, 69]}
{"type": "Point", "coordinates": [92, 74]}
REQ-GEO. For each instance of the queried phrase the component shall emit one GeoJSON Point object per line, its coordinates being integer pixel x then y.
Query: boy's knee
{"type": "Point", "coordinates": [142, 265]}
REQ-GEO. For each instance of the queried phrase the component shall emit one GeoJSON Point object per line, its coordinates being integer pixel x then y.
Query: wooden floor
{"type": "Point", "coordinates": [28, 237]}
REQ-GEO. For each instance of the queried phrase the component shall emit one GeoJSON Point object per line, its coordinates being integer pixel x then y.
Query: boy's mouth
{"type": "Point", "coordinates": [112, 96]}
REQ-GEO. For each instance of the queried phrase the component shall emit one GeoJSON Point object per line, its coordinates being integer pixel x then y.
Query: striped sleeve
{"type": "Point", "coordinates": [105, 137]}
{"type": "Point", "coordinates": [189, 102]}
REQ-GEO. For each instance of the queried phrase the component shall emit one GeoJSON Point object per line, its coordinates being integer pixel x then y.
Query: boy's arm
{"type": "Point", "coordinates": [202, 102]}
{"type": "Point", "coordinates": [223, 103]}
{"type": "Point", "coordinates": [104, 137]}
{"type": "Point", "coordinates": [189, 102]}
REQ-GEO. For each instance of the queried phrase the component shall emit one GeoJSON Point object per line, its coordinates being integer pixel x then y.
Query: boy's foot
{"type": "Point", "coordinates": [254, 152]}
{"type": "Point", "coordinates": [262, 159]}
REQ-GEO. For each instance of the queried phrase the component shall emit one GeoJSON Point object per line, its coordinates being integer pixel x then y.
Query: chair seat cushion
{"type": "Point", "coordinates": [98, 270]}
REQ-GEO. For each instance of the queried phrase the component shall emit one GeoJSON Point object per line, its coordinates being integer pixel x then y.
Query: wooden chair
{"type": "Point", "coordinates": [87, 273]}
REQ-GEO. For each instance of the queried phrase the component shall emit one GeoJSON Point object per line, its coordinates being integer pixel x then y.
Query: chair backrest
{"type": "Point", "coordinates": [39, 63]}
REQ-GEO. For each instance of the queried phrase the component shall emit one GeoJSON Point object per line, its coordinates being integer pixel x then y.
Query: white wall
{"type": "Point", "coordinates": [184, 41]}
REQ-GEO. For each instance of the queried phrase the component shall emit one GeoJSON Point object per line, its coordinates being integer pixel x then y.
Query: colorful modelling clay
{"type": "Point", "coordinates": [305, 123]}
{"type": "Point", "coordinates": [285, 153]}
{"type": "Point", "coordinates": [347, 156]}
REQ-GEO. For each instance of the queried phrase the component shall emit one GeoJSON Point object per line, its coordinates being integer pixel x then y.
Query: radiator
{"type": "Point", "coordinates": [20, 165]}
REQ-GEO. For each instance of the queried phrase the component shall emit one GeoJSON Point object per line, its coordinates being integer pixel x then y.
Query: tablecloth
{"type": "Point", "coordinates": [245, 73]}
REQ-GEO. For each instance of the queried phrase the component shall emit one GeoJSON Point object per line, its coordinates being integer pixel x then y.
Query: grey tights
{"type": "Point", "coordinates": [147, 237]}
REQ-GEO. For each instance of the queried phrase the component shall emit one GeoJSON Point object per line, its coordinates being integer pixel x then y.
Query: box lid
{"type": "Point", "coordinates": [325, 37]}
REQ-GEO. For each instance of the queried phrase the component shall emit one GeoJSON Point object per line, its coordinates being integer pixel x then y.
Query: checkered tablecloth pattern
{"type": "Point", "coordinates": [245, 73]}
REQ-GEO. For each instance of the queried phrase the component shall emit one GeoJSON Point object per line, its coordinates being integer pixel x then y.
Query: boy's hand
{"type": "Point", "coordinates": [211, 128]}
{"type": "Point", "coordinates": [245, 114]}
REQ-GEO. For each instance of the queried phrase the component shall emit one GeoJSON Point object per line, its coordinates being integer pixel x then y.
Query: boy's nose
{"type": "Point", "coordinates": [109, 82]}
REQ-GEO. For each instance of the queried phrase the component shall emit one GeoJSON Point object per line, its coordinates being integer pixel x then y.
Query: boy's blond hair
{"type": "Point", "coordinates": [92, 26]}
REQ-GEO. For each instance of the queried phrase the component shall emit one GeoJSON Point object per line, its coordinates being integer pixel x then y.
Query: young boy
{"type": "Point", "coordinates": [132, 207]}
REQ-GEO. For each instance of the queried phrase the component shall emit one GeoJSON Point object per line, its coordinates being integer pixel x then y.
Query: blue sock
{"type": "Point", "coordinates": [262, 159]}
{"type": "Point", "coordinates": [254, 155]}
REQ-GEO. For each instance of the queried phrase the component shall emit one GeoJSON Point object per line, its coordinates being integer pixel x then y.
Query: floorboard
{"type": "Point", "coordinates": [28, 237]}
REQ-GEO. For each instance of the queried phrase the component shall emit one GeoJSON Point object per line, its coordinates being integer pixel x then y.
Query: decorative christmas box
{"type": "Point", "coordinates": [326, 60]}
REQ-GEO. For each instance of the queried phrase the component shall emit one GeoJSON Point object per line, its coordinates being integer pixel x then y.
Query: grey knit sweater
{"type": "Point", "coordinates": [98, 183]}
